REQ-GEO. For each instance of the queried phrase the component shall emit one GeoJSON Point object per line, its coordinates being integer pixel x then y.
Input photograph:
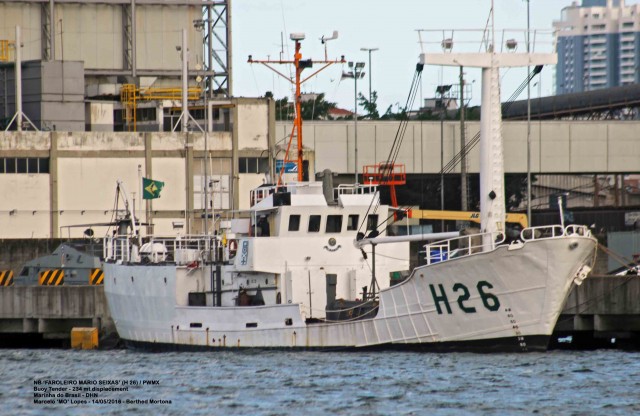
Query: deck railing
{"type": "Point", "coordinates": [462, 246]}
{"type": "Point", "coordinates": [477, 243]}
{"type": "Point", "coordinates": [540, 232]}
{"type": "Point", "coordinates": [553, 231]}
{"type": "Point", "coordinates": [181, 249]}
{"type": "Point", "coordinates": [116, 249]}
{"type": "Point", "coordinates": [356, 189]}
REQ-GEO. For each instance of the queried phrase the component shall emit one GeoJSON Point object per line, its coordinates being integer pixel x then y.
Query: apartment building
{"type": "Point", "coordinates": [598, 45]}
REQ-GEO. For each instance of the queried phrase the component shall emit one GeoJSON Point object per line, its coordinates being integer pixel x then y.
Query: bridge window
{"type": "Point", "coordinates": [294, 222]}
{"type": "Point", "coordinates": [352, 222]}
{"type": "Point", "coordinates": [334, 224]}
{"type": "Point", "coordinates": [314, 223]}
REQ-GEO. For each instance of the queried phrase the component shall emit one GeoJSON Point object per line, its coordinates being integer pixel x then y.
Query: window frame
{"type": "Point", "coordinates": [353, 226]}
{"type": "Point", "coordinates": [335, 222]}
{"type": "Point", "coordinates": [311, 222]}
{"type": "Point", "coordinates": [299, 220]}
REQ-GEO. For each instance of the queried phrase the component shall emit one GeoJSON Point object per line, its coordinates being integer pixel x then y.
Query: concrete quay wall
{"type": "Point", "coordinates": [50, 312]}
{"type": "Point", "coordinates": [605, 307]}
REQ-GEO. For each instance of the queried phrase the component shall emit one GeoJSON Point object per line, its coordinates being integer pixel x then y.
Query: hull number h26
{"type": "Point", "coordinates": [440, 299]}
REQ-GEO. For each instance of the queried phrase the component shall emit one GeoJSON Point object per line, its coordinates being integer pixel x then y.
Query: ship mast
{"type": "Point", "coordinates": [299, 65]}
{"type": "Point", "coordinates": [492, 194]}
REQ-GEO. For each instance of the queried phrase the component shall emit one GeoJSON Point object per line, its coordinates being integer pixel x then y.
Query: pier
{"type": "Point", "coordinates": [34, 316]}
{"type": "Point", "coordinates": [603, 312]}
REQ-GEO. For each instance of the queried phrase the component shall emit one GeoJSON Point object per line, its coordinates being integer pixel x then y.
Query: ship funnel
{"type": "Point", "coordinates": [327, 185]}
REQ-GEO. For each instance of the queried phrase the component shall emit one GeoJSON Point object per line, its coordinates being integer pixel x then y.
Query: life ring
{"type": "Point", "coordinates": [233, 248]}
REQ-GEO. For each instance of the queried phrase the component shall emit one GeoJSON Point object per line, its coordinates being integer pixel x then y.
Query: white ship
{"type": "Point", "coordinates": [294, 274]}
{"type": "Point", "coordinates": [302, 286]}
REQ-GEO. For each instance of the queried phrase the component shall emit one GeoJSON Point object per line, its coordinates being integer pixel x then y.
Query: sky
{"type": "Point", "coordinates": [259, 25]}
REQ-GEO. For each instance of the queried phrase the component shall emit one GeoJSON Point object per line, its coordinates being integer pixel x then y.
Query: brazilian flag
{"type": "Point", "coordinates": [151, 188]}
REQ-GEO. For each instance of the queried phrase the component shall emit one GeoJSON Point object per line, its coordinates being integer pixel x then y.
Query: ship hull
{"type": "Point", "coordinates": [536, 343]}
{"type": "Point", "coordinates": [507, 299]}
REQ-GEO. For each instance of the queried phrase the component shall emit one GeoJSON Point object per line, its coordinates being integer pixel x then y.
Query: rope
{"type": "Point", "coordinates": [476, 139]}
{"type": "Point", "coordinates": [113, 212]}
{"type": "Point", "coordinates": [370, 311]}
{"type": "Point", "coordinates": [618, 257]}
{"type": "Point", "coordinates": [402, 128]}
{"type": "Point", "coordinates": [399, 137]}
{"type": "Point", "coordinates": [355, 318]}
{"type": "Point", "coordinates": [389, 257]}
{"type": "Point", "coordinates": [626, 280]}
{"type": "Point", "coordinates": [598, 298]}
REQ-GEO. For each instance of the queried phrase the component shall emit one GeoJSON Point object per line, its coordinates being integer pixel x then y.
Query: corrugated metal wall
{"type": "Point", "coordinates": [94, 33]}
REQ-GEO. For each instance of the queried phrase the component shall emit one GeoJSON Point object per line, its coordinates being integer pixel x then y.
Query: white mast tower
{"type": "Point", "coordinates": [492, 195]}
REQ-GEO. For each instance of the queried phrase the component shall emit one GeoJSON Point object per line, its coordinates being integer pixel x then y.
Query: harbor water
{"type": "Point", "coordinates": [125, 382]}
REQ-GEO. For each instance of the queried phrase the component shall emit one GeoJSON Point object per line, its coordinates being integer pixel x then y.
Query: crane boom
{"type": "Point", "coordinates": [433, 214]}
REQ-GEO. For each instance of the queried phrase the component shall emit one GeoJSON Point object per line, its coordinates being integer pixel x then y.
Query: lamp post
{"type": "Point", "coordinates": [199, 25]}
{"type": "Point", "coordinates": [370, 68]}
{"type": "Point", "coordinates": [529, 219]}
{"type": "Point", "coordinates": [447, 46]}
{"type": "Point", "coordinates": [206, 182]}
{"type": "Point", "coordinates": [463, 144]}
{"type": "Point", "coordinates": [185, 82]}
{"type": "Point", "coordinates": [442, 90]}
{"type": "Point", "coordinates": [206, 166]}
{"type": "Point", "coordinates": [357, 71]}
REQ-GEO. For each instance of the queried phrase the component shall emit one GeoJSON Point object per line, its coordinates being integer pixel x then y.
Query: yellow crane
{"type": "Point", "coordinates": [432, 214]}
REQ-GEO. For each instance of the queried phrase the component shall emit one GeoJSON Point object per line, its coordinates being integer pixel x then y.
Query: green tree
{"type": "Point", "coordinates": [284, 109]}
{"type": "Point", "coordinates": [316, 109]}
{"type": "Point", "coordinates": [427, 115]}
{"type": "Point", "coordinates": [401, 114]}
{"type": "Point", "coordinates": [371, 107]}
